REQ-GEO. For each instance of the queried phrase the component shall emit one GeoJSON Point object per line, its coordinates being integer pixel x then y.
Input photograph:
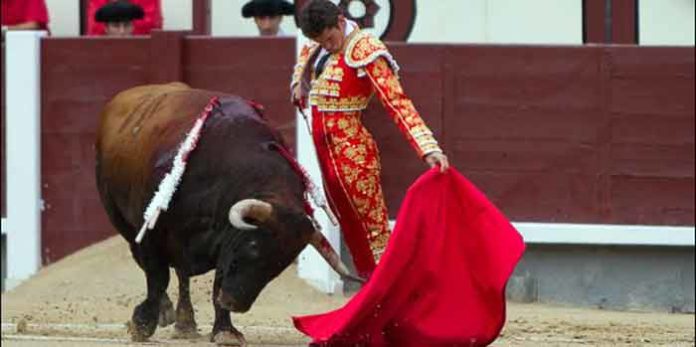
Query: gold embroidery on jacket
{"type": "Point", "coordinates": [305, 53]}
{"type": "Point", "coordinates": [364, 48]}
{"type": "Point", "coordinates": [333, 73]}
{"type": "Point", "coordinates": [333, 104]}
{"type": "Point", "coordinates": [405, 115]}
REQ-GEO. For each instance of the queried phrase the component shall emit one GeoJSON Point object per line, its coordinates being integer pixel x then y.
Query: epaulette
{"type": "Point", "coordinates": [364, 48]}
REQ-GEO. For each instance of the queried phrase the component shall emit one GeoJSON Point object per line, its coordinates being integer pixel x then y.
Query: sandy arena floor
{"type": "Point", "coordinates": [86, 299]}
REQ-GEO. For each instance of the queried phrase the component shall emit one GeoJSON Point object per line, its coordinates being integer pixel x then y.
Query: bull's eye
{"type": "Point", "coordinates": [252, 249]}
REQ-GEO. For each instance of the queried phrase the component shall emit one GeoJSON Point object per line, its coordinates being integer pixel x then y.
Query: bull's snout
{"type": "Point", "coordinates": [228, 302]}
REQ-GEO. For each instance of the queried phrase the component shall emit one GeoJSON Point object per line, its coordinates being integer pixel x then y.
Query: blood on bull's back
{"type": "Point", "coordinates": [142, 121]}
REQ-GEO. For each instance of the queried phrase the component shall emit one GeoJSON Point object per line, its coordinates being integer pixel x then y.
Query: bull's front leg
{"type": "Point", "coordinates": [185, 327]}
{"type": "Point", "coordinates": [223, 331]}
{"type": "Point", "coordinates": [146, 315]}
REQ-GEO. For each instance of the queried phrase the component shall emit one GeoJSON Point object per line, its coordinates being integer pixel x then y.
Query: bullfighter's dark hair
{"type": "Point", "coordinates": [318, 15]}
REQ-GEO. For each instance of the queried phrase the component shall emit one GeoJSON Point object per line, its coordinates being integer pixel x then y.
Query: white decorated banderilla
{"type": "Point", "coordinates": [312, 189]}
{"type": "Point", "coordinates": [170, 182]}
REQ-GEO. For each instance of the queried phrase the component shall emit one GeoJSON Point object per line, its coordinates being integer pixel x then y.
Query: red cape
{"type": "Point", "coordinates": [441, 280]}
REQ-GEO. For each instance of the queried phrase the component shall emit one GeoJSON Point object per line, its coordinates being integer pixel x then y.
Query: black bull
{"type": "Point", "coordinates": [239, 208]}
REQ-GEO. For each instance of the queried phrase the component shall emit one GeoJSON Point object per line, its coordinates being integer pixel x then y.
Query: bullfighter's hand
{"type": "Point", "coordinates": [437, 159]}
{"type": "Point", "coordinates": [298, 99]}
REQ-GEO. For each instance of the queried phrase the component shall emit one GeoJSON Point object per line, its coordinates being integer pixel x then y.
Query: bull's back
{"type": "Point", "coordinates": [129, 119]}
{"type": "Point", "coordinates": [136, 127]}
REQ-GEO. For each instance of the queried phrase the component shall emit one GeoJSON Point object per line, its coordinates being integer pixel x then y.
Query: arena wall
{"type": "Point", "coordinates": [644, 22]}
{"type": "Point", "coordinates": [635, 278]}
{"type": "Point", "coordinates": [552, 134]}
{"type": "Point", "coordinates": [81, 75]}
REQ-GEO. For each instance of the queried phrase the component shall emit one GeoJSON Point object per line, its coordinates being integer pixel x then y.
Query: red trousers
{"type": "Point", "coordinates": [349, 162]}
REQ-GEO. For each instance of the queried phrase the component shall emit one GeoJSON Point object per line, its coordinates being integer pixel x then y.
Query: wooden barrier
{"type": "Point", "coordinates": [555, 134]}
{"type": "Point", "coordinates": [588, 134]}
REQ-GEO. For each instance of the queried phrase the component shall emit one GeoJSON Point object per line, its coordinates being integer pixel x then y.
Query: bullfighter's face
{"type": "Point", "coordinates": [253, 258]}
{"type": "Point", "coordinates": [333, 38]}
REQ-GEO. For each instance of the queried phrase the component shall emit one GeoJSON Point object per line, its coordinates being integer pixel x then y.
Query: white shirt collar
{"type": "Point", "coordinates": [350, 27]}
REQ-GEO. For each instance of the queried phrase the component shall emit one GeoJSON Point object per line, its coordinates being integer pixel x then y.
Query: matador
{"type": "Point", "coordinates": [336, 76]}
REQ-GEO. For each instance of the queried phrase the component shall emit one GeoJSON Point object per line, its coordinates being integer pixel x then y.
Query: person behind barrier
{"type": "Point", "coordinates": [268, 14]}
{"type": "Point", "coordinates": [124, 17]}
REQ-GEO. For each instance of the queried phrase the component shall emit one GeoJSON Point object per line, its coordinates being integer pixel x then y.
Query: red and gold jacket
{"type": "Point", "coordinates": [347, 154]}
{"type": "Point", "coordinates": [350, 79]}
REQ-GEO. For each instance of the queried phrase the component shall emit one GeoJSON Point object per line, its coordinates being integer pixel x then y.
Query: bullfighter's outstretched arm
{"type": "Point", "coordinates": [401, 108]}
{"type": "Point", "coordinates": [370, 56]}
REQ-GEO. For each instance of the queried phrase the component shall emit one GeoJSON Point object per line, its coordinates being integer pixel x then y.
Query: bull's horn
{"type": "Point", "coordinates": [249, 208]}
{"type": "Point", "coordinates": [319, 242]}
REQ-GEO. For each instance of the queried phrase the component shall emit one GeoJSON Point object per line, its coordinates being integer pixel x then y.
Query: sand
{"type": "Point", "coordinates": [91, 295]}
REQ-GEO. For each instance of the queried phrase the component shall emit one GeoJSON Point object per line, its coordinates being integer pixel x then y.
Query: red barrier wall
{"type": "Point", "coordinates": [80, 75]}
{"type": "Point", "coordinates": [555, 134]}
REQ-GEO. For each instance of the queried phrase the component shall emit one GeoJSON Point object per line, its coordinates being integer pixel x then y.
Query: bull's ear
{"type": "Point", "coordinates": [257, 210]}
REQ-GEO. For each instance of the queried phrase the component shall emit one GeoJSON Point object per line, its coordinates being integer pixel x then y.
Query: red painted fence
{"type": "Point", "coordinates": [555, 134]}
{"type": "Point", "coordinates": [80, 75]}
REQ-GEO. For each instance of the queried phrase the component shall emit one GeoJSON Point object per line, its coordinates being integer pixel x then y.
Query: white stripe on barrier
{"type": "Point", "coordinates": [122, 342]}
{"type": "Point", "coordinates": [603, 234]}
{"type": "Point", "coordinates": [11, 328]}
{"type": "Point", "coordinates": [16, 337]}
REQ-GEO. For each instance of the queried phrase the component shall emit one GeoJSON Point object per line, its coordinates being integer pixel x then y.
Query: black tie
{"type": "Point", "coordinates": [322, 64]}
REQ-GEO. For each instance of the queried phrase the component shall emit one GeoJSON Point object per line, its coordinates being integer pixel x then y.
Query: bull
{"type": "Point", "coordinates": [239, 208]}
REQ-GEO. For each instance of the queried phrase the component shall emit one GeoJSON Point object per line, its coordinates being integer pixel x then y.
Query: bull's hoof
{"type": "Point", "coordinates": [229, 338]}
{"type": "Point", "coordinates": [143, 323]}
{"type": "Point", "coordinates": [136, 334]}
{"type": "Point", "coordinates": [166, 314]}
